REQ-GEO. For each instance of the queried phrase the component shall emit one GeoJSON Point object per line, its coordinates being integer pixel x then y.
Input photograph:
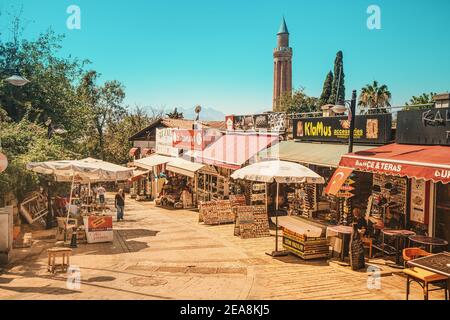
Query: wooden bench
{"type": "Point", "coordinates": [424, 278]}
{"type": "Point", "coordinates": [53, 253]}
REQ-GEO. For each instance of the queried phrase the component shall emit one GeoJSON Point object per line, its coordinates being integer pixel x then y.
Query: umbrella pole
{"type": "Point", "coordinates": [276, 218]}
{"type": "Point", "coordinates": [70, 198]}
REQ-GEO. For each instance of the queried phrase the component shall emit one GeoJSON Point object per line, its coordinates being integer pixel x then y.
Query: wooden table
{"type": "Point", "coordinates": [437, 263]}
{"type": "Point", "coordinates": [344, 233]}
{"type": "Point", "coordinates": [429, 241]}
{"type": "Point", "coordinates": [398, 234]}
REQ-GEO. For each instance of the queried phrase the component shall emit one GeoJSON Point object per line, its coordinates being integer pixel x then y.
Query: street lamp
{"type": "Point", "coordinates": [17, 79]}
{"type": "Point", "coordinates": [350, 106]}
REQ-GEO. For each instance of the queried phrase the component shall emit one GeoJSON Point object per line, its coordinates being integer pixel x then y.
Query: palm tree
{"type": "Point", "coordinates": [375, 98]}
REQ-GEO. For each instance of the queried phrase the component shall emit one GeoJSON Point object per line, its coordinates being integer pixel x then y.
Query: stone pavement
{"type": "Point", "coordinates": [166, 254]}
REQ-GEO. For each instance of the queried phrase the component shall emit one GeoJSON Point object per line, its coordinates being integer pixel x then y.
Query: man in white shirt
{"type": "Point", "coordinates": [101, 195]}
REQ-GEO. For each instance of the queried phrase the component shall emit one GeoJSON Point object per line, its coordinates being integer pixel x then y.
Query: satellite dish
{"type": "Point", "coordinates": [198, 109]}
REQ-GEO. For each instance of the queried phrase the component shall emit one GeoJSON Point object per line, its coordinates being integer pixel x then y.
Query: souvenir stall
{"type": "Point", "coordinates": [96, 226]}
{"type": "Point", "coordinates": [295, 234]}
{"type": "Point", "coordinates": [213, 183]}
{"type": "Point", "coordinates": [180, 190]}
{"type": "Point", "coordinates": [154, 166]}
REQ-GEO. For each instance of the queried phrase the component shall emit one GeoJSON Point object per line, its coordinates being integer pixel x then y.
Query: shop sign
{"type": "Point", "coordinates": [369, 129]}
{"type": "Point", "coordinates": [164, 142]}
{"type": "Point", "coordinates": [399, 169]}
{"type": "Point", "coordinates": [3, 162]}
{"type": "Point", "coordinates": [419, 201]}
{"type": "Point", "coordinates": [193, 139]}
{"type": "Point", "coordinates": [99, 229]}
{"type": "Point", "coordinates": [273, 122]}
{"type": "Point", "coordinates": [426, 127]}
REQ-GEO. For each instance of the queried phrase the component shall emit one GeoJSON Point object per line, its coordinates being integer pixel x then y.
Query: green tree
{"type": "Point", "coordinates": [425, 100]}
{"type": "Point", "coordinates": [175, 114]}
{"type": "Point", "coordinates": [374, 98]}
{"type": "Point", "coordinates": [298, 102]}
{"type": "Point", "coordinates": [105, 107]}
{"type": "Point", "coordinates": [326, 91]}
{"type": "Point", "coordinates": [337, 95]}
{"type": "Point", "coordinates": [117, 134]}
{"type": "Point", "coordinates": [24, 142]}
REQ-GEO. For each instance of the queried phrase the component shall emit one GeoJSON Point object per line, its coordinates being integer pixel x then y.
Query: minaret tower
{"type": "Point", "coordinates": [282, 66]}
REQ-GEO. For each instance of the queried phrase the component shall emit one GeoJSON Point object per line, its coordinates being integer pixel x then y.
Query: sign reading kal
{"type": "Point", "coordinates": [426, 127]}
{"type": "Point", "coordinates": [369, 129]}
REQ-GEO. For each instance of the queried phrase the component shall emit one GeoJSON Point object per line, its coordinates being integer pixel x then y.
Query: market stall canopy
{"type": "Point", "coordinates": [413, 161]}
{"type": "Point", "coordinates": [137, 174]}
{"type": "Point", "coordinates": [184, 167]}
{"type": "Point", "coordinates": [153, 160]}
{"type": "Point", "coordinates": [89, 170]}
{"type": "Point", "coordinates": [233, 150]}
{"type": "Point", "coordinates": [278, 171]}
{"type": "Point", "coordinates": [320, 154]}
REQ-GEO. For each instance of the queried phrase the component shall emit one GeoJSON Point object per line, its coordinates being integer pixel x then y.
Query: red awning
{"type": "Point", "coordinates": [233, 150]}
{"type": "Point", "coordinates": [413, 161]}
{"type": "Point", "coordinates": [338, 180]}
{"type": "Point", "coordinates": [133, 151]}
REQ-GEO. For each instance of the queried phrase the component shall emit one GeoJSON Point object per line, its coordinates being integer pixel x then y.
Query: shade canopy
{"type": "Point", "coordinates": [184, 167]}
{"type": "Point", "coordinates": [278, 171]}
{"type": "Point", "coordinates": [86, 170]}
{"type": "Point", "coordinates": [151, 161]}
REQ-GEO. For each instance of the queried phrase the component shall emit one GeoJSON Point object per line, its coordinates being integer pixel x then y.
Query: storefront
{"type": "Point", "coordinates": [410, 186]}
{"type": "Point", "coordinates": [311, 201]}
{"type": "Point", "coordinates": [229, 153]}
{"type": "Point", "coordinates": [181, 189]}
{"type": "Point", "coordinates": [149, 185]}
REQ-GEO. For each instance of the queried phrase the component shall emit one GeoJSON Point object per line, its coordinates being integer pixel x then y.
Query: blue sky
{"type": "Point", "coordinates": [219, 53]}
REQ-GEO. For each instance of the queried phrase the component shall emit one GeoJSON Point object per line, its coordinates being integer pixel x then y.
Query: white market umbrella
{"type": "Point", "coordinates": [279, 172]}
{"type": "Point", "coordinates": [87, 170]}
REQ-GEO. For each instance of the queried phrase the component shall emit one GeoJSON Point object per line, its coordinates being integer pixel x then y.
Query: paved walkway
{"type": "Point", "coordinates": [166, 254]}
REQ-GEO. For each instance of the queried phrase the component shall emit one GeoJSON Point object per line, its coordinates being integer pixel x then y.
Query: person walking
{"type": "Point", "coordinates": [120, 204]}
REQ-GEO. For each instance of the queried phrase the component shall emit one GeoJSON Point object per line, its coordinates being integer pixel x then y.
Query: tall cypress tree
{"type": "Point", "coordinates": [338, 88]}
{"type": "Point", "coordinates": [326, 91]}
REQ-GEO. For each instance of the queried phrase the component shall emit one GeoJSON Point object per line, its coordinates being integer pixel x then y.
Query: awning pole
{"type": "Point", "coordinates": [70, 198]}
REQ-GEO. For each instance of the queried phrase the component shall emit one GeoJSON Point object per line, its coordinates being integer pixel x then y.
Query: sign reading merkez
{"type": "Point", "coordinates": [369, 129]}
{"type": "Point", "coordinates": [427, 127]}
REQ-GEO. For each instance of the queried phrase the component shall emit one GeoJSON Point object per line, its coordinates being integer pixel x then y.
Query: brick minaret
{"type": "Point", "coordinates": [282, 65]}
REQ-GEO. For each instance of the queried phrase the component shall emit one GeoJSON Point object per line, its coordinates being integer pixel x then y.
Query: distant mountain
{"type": "Point", "coordinates": [208, 114]}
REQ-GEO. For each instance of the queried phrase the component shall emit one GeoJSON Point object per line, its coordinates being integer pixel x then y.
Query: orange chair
{"type": "Point", "coordinates": [414, 253]}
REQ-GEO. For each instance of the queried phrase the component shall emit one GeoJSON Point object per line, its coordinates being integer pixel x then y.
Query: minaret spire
{"type": "Point", "coordinates": [282, 58]}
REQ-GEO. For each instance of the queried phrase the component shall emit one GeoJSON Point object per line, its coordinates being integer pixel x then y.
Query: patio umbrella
{"type": "Point", "coordinates": [87, 170]}
{"type": "Point", "coordinates": [279, 172]}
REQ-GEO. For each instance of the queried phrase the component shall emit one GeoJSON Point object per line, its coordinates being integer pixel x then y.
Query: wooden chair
{"type": "Point", "coordinates": [368, 243]}
{"type": "Point", "coordinates": [424, 278]}
{"type": "Point", "coordinates": [65, 227]}
{"type": "Point", "coordinates": [413, 253]}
